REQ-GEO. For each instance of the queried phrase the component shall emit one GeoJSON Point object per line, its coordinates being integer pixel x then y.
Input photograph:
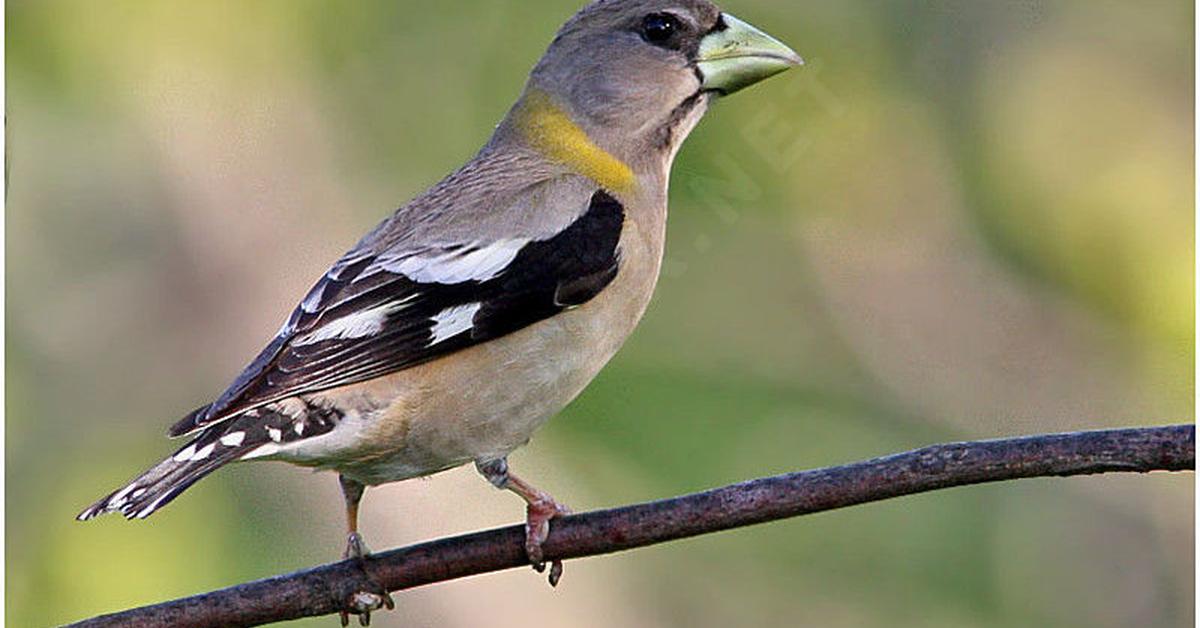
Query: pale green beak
{"type": "Point", "coordinates": [740, 56]}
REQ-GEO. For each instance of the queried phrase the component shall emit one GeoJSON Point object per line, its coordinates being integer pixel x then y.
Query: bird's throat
{"type": "Point", "coordinates": [550, 131]}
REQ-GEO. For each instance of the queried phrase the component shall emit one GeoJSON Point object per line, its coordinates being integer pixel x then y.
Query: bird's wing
{"type": "Point", "coordinates": [382, 310]}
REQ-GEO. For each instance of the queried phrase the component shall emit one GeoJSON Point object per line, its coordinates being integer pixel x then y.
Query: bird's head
{"type": "Point", "coordinates": [636, 75]}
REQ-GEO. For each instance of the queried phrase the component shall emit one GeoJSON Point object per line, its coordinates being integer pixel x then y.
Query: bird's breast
{"type": "Point", "coordinates": [483, 402]}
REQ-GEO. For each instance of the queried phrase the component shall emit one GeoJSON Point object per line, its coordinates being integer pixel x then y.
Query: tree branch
{"type": "Point", "coordinates": [320, 591]}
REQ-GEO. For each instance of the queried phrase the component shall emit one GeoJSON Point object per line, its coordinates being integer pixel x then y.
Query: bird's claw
{"type": "Point", "coordinates": [361, 603]}
{"type": "Point", "coordinates": [368, 598]}
{"type": "Point", "coordinates": [537, 529]}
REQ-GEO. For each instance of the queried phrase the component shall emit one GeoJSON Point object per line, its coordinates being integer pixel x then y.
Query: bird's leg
{"type": "Point", "coordinates": [353, 491]}
{"type": "Point", "coordinates": [541, 509]}
{"type": "Point", "coordinates": [362, 601]}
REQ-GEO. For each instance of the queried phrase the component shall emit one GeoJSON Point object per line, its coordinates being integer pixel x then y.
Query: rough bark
{"type": "Point", "coordinates": [321, 590]}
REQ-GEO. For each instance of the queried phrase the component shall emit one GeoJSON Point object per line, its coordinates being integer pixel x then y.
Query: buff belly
{"type": "Point", "coordinates": [483, 402]}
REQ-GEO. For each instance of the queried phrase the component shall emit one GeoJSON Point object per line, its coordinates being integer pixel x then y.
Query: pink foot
{"type": "Point", "coordinates": [371, 596]}
{"type": "Point", "coordinates": [537, 528]}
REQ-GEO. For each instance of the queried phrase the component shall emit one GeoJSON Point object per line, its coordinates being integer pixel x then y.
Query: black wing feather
{"type": "Point", "coordinates": [544, 278]}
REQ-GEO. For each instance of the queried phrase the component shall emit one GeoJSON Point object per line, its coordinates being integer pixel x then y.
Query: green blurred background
{"type": "Point", "coordinates": [961, 219]}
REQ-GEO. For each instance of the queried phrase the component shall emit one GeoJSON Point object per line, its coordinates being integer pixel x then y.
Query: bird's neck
{"type": "Point", "coordinates": [542, 125]}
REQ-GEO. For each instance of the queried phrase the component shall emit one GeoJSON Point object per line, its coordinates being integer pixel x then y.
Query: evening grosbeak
{"type": "Point", "coordinates": [481, 308]}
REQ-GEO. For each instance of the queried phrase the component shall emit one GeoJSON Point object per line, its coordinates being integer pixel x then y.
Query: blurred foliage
{"type": "Point", "coordinates": [960, 219]}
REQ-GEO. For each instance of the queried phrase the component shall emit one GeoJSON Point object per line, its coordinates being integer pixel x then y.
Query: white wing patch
{"type": "Point", "coordinates": [263, 450]}
{"type": "Point", "coordinates": [453, 321]}
{"type": "Point", "coordinates": [356, 325]}
{"type": "Point", "coordinates": [474, 263]}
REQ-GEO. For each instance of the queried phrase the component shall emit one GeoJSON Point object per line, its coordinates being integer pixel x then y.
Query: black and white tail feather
{"type": "Point", "coordinates": [255, 433]}
{"type": "Point", "coordinates": [164, 481]}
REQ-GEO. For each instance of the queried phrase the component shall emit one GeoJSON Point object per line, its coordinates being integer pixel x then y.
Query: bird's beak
{"type": "Point", "coordinates": [739, 56]}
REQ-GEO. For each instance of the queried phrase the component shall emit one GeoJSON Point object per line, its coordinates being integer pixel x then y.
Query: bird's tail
{"type": "Point", "coordinates": [258, 433]}
{"type": "Point", "coordinates": [166, 480]}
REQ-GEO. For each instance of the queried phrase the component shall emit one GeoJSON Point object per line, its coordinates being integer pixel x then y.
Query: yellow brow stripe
{"type": "Point", "coordinates": [552, 132]}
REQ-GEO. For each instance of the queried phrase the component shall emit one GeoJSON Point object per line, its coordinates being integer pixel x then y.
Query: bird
{"type": "Point", "coordinates": [481, 308]}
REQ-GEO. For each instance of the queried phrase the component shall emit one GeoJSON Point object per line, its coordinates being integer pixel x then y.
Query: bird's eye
{"type": "Point", "coordinates": [659, 28]}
